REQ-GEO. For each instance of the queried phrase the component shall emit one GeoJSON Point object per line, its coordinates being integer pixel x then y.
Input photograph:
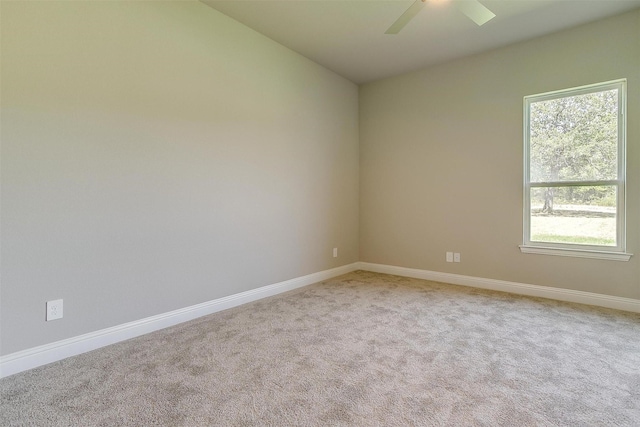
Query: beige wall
{"type": "Point", "coordinates": [157, 155]}
{"type": "Point", "coordinates": [441, 159]}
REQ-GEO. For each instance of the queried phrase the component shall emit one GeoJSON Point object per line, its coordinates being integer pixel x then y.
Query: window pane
{"type": "Point", "coordinates": [578, 215]}
{"type": "Point", "coordinates": [574, 138]}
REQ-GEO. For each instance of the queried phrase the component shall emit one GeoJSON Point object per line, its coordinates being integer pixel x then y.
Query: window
{"type": "Point", "coordinates": [574, 172]}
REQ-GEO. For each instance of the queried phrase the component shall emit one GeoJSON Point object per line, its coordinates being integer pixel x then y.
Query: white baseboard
{"type": "Point", "coordinates": [619, 303]}
{"type": "Point", "coordinates": [41, 355]}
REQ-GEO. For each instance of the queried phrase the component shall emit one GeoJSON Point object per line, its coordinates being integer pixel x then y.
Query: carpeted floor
{"type": "Point", "coordinates": [364, 349]}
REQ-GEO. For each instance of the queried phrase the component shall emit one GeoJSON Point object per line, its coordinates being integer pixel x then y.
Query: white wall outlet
{"type": "Point", "coordinates": [335, 252]}
{"type": "Point", "coordinates": [449, 256]}
{"type": "Point", "coordinates": [54, 309]}
{"type": "Point", "coordinates": [456, 257]}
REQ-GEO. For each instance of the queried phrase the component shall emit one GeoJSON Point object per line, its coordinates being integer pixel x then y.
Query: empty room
{"type": "Point", "coordinates": [310, 213]}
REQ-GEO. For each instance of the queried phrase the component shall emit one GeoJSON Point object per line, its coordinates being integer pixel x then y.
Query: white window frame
{"type": "Point", "coordinates": [618, 252]}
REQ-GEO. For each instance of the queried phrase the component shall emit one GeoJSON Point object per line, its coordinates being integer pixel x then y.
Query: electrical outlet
{"type": "Point", "coordinates": [456, 257]}
{"type": "Point", "coordinates": [449, 256]}
{"type": "Point", "coordinates": [335, 252]}
{"type": "Point", "coordinates": [54, 310]}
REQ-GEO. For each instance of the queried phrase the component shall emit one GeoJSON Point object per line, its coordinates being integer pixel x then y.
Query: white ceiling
{"type": "Point", "coordinates": [347, 36]}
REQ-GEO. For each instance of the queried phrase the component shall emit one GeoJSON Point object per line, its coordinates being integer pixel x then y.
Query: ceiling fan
{"type": "Point", "coordinates": [475, 10]}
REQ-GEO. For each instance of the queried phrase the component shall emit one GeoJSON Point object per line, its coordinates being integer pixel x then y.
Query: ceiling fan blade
{"type": "Point", "coordinates": [475, 10]}
{"type": "Point", "coordinates": [405, 17]}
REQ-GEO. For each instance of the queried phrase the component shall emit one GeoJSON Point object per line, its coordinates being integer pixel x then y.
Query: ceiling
{"type": "Point", "coordinates": [347, 36]}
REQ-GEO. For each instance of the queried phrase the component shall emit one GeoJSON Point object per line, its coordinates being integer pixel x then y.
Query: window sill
{"type": "Point", "coordinates": [577, 253]}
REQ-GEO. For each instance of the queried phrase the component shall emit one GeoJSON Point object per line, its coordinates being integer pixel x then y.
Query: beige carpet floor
{"type": "Point", "coordinates": [363, 349]}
